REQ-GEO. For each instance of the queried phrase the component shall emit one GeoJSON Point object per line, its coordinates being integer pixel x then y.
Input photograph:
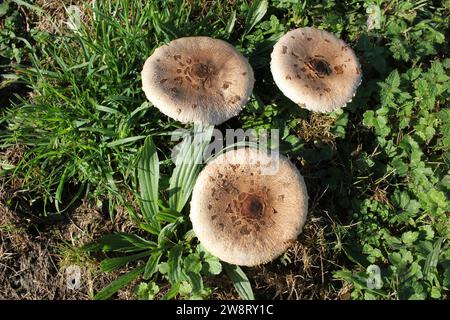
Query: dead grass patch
{"type": "Point", "coordinates": [34, 257]}
{"type": "Point", "coordinates": [317, 127]}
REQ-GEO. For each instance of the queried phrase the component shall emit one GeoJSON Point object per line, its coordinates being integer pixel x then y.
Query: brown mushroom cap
{"type": "Point", "coordinates": [198, 79]}
{"type": "Point", "coordinates": [244, 217]}
{"type": "Point", "coordinates": [315, 69]}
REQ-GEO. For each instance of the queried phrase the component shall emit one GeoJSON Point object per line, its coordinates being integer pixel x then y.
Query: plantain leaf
{"type": "Point", "coordinates": [152, 264]}
{"type": "Point", "coordinates": [173, 291]}
{"type": "Point", "coordinates": [174, 262]}
{"type": "Point", "coordinates": [188, 164]}
{"type": "Point", "coordinates": [240, 281]}
{"type": "Point", "coordinates": [255, 14]}
{"type": "Point", "coordinates": [112, 264]}
{"type": "Point", "coordinates": [148, 176]}
{"type": "Point", "coordinates": [231, 22]}
{"type": "Point", "coordinates": [432, 260]}
{"type": "Point", "coordinates": [120, 242]}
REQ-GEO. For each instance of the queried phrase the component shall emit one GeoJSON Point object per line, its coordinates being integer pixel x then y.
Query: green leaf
{"type": "Point", "coordinates": [188, 164]}
{"type": "Point", "coordinates": [4, 8]}
{"type": "Point", "coordinates": [120, 282]}
{"type": "Point", "coordinates": [231, 22]}
{"type": "Point", "coordinates": [427, 232]}
{"type": "Point", "coordinates": [163, 268]}
{"type": "Point", "coordinates": [143, 106]}
{"type": "Point", "coordinates": [369, 118]}
{"type": "Point", "coordinates": [151, 228]}
{"type": "Point", "coordinates": [112, 264]}
{"type": "Point", "coordinates": [389, 88]}
{"type": "Point", "coordinates": [148, 177]}
{"type": "Point", "coordinates": [240, 281]}
{"type": "Point", "coordinates": [168, 215]}
{"type": "Point", "coordinates": [212, 266]}
{"type": "Point", "coordinates": [168, 232]}
{"type": "Point", "coordinates": [147, 291]}
{"type": "Point", "coordinates": [435, 293]}
{"type": "Point", "coordinates": [446, 279]}
{"type": "Point", "coordinates": [108, 109]}
{"type": "Point", "coordinates": [410, 237]}
{"type": "Point", "coordinates": [432, 260]}
{"type": "Point", "coordinates": [173, 291]}
{"type": "Point", "coordinates": [196, 281]}
{"type": "Point", "coordinates": [174, 262]}
{"type": "Point", "coordinates": [152, 265]}
{"type": "Point", "coordinates": [255, 14]}
{"type": "Point", "coordinates": [358, 280]}
{"type": "Point", "coordinates": [192, 263]}
{"type": "Point", "coordinates": [185, 288]}
{"type": "Point", "coordinates": [120, 242]}
{"type": "Point", "coordinates": [124, 141]}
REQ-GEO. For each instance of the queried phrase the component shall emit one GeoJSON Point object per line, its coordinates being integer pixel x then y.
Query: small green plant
{"type": "Point", "coordinates": [407, 235]}
{"type": "Point", "coordinates": [171, 254]}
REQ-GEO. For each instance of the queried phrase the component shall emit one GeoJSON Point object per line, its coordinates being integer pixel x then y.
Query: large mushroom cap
{"type": "Point", "coordinates": [315, 69]}
{"type": "Point", "coordinates": [244, 217]}
{"type": "Point", "coordinates": [198, 79]}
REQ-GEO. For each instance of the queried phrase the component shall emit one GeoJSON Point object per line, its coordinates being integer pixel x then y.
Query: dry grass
{"type": "Point", "coordinates": [316, 128]}
{"type": "Point", "coordinates": [55, 17]}
{"type": "Point", "coordinates": [10, 188]}
{"type": "Point", "coordinates": [308, 268]}
{"type": "Point", "coordinates": [34, 257]}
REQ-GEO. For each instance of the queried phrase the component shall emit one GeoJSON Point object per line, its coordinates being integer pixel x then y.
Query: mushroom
{"type": "Point", "coordinates": [315, 69]}
{"type": "Point", "coordinates": [243, 216]}
{"type": "Point", "coordinates": [198, 79]}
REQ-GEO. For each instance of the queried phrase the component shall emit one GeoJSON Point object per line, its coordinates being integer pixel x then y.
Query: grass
{"type": "Point", "coordinates": [75, 119]}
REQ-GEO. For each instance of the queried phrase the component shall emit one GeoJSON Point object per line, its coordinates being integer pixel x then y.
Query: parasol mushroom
{"type": "Point", "coordinates": [198, 79]}
{"type": "Point", "coordinates": [243, 216]}
{"type": "Point", "coordinates": [315, 69]}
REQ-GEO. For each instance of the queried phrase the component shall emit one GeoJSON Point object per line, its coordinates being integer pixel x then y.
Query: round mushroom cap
{"type": "Point", "coordinates": [315, 69]}
{"type": "Point", "coordinates": [243, 216]}
{"type": "Point", "coordinates": [198, 79]}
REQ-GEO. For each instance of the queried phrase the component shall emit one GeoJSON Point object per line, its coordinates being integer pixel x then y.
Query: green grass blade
{"type": "Point", "coordinates": [120, 282]}
{"type": "Point", "coordinates": [59, 190]}
{"type": "Point", "coordinates": [124, 141]}
{"type": "Point", "coordinates": [432, 260]}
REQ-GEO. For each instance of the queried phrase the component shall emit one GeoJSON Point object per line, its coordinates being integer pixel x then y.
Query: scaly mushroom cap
{"type": "Point", "coordinates": [198, 79]}
{"type": "Point", "coordinates": [315, 69]}
{"type": "Point", "coordinates": [243, 216]}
